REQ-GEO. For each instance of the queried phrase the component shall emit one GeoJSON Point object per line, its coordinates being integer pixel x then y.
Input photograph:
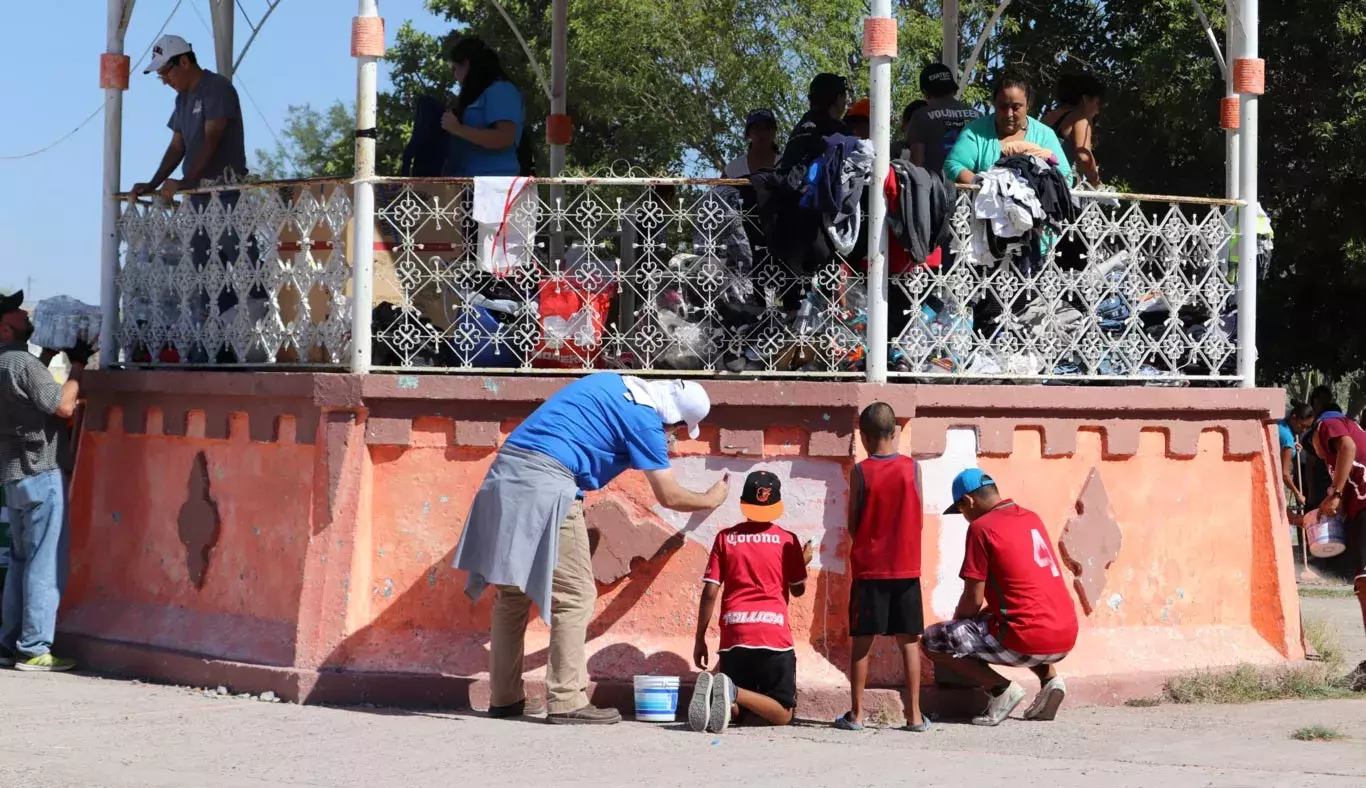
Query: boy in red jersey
{"type": "Point", "coordinates": [752, 568]}
{"type": "Point", "coordinates": [1015, 609]}
{"type": "Point", "coordinates": [885, 521]}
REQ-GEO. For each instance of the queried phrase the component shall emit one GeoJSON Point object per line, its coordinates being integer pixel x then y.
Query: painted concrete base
{"type": "Point", "coordinates": [294, 532]}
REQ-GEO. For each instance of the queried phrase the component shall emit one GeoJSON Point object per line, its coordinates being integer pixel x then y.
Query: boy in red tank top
{"type": "Point", "coordinates": [885, 520]}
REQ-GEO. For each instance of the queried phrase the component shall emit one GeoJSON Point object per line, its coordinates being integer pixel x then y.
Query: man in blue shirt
{"type": "Point", "coordinates": [526, 534]}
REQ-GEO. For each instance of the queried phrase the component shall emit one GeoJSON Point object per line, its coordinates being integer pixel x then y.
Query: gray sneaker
{"type": "Point", "coordinates": [699, 709]}
{"type": "Point", "coordinates": [722, 689]}
{"type": "Point", "coordinates": [1001, 706]}
{"type": "Point", "coordinates": [587, 715]}
{"type": "Point", "coordinates": [1046, 703]}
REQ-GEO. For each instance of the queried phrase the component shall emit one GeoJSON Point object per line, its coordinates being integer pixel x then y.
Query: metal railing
{"type": "Point", "coordinates": [668, 276]}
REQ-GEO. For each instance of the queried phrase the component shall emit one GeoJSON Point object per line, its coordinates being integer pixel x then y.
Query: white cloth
{"type": "Point", "coordinates": [506, 211]}
{"type": "Point", "coordinates": [1007, 202]}
{"type": "Point", "coordinates": [674, 400]}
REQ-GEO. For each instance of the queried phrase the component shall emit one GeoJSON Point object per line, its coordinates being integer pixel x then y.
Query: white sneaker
{"type": "Point", "coordinates": [1001, 706]}
{"type": "Point", "coordinates": [1046, 703]}
{"type": "Point", "coordinates": [699, 709]}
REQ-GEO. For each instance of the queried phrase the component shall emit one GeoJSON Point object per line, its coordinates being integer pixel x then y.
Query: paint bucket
{"type": "Point", "coordinates": [1327, 536]}
{"type": "Point", "coordinates": [656, 698]}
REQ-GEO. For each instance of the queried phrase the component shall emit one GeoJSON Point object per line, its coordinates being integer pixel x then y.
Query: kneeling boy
{"type": "Point", "coordinates": [752, 568]}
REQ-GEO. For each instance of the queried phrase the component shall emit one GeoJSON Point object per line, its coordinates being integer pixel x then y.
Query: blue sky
{"type": "Point", "coordinates": [49, 55]}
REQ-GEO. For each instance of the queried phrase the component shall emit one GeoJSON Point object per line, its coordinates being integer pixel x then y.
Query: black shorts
{"type": "Point", "coordinates": [886, 607]}
{"type": "Point", "coordinates": [761, 670]}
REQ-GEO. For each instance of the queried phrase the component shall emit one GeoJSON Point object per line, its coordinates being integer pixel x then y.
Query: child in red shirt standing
{"type": "Point", "coordinates": [752, 568]}
{"type": "Point", "coordinates": [885, 520]}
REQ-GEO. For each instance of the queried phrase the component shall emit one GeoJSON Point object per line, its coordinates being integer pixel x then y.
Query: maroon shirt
{"type": "Point", "coordinates": [1333, 431]}
{"type": "Point", "coordinates": [889, 520]}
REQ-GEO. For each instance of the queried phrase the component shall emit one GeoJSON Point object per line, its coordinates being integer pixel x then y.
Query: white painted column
{"type": "Point", "coordinates": [224, 14]}
{"type": "Point", "coordinates": [881, 128]}
{"type": "Point", "coordinates": [117, 26]}
{"type": "Point", "coordinates": [950, 23]}
{"type": "Point", "coordinates": [363, 200]}
{"type": "Point", "coordinates": [1233, 46]}
{"type": "Point", "coordinates": [1247, 215]}
{"type": "Point", "coordinates": [559, 76]}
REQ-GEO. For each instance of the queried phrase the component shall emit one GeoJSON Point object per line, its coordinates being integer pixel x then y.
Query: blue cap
{"type": "Point", "coordinates": [966, 483]}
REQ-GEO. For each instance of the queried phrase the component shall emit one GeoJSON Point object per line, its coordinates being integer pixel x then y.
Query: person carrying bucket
{"type": "Point", "coordinates": [526, 534]}
{"type": "Point", "coordinates": [1341, 443]}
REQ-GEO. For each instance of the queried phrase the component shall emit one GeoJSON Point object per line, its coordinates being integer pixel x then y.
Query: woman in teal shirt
{"type": "Point", "coordinates": [486, 125]}
{"type": "Point", "coordinates": [1006, 132]}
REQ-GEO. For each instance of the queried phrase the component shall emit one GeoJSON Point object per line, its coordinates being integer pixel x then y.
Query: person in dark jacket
{"type": "Point", "coordinates": [829, 98]}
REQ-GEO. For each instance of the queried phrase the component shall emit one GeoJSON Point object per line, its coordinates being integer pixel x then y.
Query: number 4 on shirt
{"type": "Point", "coordinates": [1042, 555]}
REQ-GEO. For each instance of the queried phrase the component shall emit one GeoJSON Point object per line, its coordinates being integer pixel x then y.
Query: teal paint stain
{"type": "Point", "coordinates": [256, 530]}
{"type": "Point", "coordinates": [825, 416]}
{"type": "Point", "coordinates": [388, 588]}
{"type": "Point", "coordinates": [491, 385]}
{"type": "Point", "coordinates": [426, 507]}
{"type": "Point", "coordinates": [407, 382]}
{"type": "Point", "coordinates": [431, 579]}
{"type": "Point", "coordinates": [1180, 593]}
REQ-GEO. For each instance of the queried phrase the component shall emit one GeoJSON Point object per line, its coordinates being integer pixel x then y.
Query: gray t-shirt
{"type": "Point", "coordinates": [29, 433]}
{"type": "Point", "coordinates": [937, 126]}
{"type": "Point", "coordinates": [213, 98]}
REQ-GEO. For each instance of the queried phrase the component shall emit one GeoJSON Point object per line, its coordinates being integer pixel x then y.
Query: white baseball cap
{"type": "Point", "coordinates": [688, 402]}
{"type": "Point", "coordinates": [167, 48]}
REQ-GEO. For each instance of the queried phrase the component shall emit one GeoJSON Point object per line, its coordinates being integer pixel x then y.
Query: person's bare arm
{"type": "Point", "coordinates": [1342, 472]}
{"type": "Point", "coordinates": [171, 159]}
{"type": "Point", "coordinates": [706, 608]}
{"type": "Point", "coordinates": [213, 135]}
{"type": "Point", "coordinates": [917, 153]}
{"type": "Point", "coordinates": [1287, 475]}
{"type": "Point", "coordinates": [1086, 159]}
{"type": "Point", "coordinates": [972, 601]}
{"type": "Point", "coordinates": [966, 176]}
{"type": "Point", "coordinates": [672, 495]}
{"type": "Point", "coordinates": [855, 508]}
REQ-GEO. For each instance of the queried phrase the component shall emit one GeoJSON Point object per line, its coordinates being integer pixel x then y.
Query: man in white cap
{"type": "Point", "coordinates": [526, 534]}
{"type": "Point", "coordinates": [206, 126]}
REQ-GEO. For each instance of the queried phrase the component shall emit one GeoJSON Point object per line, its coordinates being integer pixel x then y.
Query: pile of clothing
{"type": "Point", "coordinates": [920, 204]}
{"type": "Point", "coordinates": [810, 212]}
{"type": "Point", "coordinates": [1022, 203]}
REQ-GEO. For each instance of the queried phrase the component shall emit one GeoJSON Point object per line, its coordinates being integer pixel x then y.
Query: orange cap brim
{"type": "Point", "coordinates": [762, 513]}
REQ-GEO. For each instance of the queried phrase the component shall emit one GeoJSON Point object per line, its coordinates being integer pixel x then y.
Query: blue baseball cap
{"type": "Point", "coordinates": [966, 483]}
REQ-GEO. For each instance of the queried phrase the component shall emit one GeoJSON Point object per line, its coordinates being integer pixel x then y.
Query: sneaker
{"type": "Point", "coordinates": [587, 715]}
{"type": "Point", "coordinates": [699, 709]}
{"type": "Point", "coordinates": [1046, 703]}
{"type": "Point", "coordinates": [722, 697]}
{"type": "Point", "coordinates": [1001, 706]}
{"type": "Point", "coordinates": [45, 663]}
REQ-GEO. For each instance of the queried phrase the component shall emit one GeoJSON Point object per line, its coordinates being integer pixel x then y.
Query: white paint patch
{"type": "Point", "coordinates": [960, 451]}
{"type": "Point", "coordinates": [815, 501]}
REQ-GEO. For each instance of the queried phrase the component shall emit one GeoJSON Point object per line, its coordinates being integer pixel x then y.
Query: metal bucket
{"type": "Point", "coordinates": [1326, 536]}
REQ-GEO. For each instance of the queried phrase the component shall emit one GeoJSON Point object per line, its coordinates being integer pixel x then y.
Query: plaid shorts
{"type": "Point", "coordinates": [970, 638]}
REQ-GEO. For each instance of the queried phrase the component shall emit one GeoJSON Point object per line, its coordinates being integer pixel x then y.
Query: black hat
{"type": "Point", "coordinates": [12, 302]}
{"type": "Point", "coordinates": [762, 500]}
{"type": "Point", "coordinates": [936, 80]}
{"type": "Point", "coordinates": [761, 117]}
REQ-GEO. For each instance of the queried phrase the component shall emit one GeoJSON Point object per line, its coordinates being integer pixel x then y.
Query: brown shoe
{"type": "Point", "coordinates": [588, 715]}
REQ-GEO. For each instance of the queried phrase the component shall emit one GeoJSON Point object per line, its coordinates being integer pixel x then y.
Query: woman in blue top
{"type": "Point", "coordinates": [1290, 428]}
{"type": "Point", "coordinates": [486, 125]}
{"type": "Point", "coordinates": [1006, 132]}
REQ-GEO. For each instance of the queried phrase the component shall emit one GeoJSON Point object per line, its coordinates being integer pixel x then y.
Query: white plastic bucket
{"type": "Point", "coordinates": [656, 698]}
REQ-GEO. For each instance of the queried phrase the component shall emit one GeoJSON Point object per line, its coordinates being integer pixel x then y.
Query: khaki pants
{"type": "Point", "coordinates": [573, 593]}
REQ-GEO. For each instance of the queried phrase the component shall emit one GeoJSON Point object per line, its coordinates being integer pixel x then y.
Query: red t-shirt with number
{"type": "Point", "coordinates": [1027, 599]}
{"type": "Point", "coordinates": [755, 564]}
